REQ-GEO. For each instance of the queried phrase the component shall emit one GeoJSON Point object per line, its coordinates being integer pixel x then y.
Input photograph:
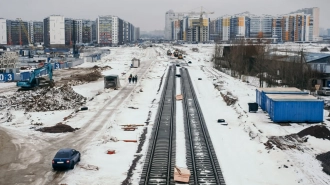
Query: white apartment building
{"type": "Point", "coordinates": [3, 31]}
{"type": "Point", "coordinates": [115, 30]}
{"type": "Point", "coordinates": [79, 30]}
{"type": "Point", "coordinates": [54, 33]}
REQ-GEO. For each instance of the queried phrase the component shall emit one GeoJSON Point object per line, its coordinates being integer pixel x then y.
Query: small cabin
{"type": "Point", "coordinates": [135, 62]}
{"type": "Point", "coordinates": [111, 81]}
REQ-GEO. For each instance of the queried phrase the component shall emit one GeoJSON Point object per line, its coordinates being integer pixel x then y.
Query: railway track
{"type": "Point", "coordinates": [160, 158]}
{"type": "Point", "coordinates": [201, 158]}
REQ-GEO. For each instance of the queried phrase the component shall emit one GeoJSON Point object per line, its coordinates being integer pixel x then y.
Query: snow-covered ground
{"type": "Point", "coordinates": [239, 146]}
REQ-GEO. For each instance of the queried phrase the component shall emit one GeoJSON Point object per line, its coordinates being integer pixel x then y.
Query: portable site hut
{"type": "Point", "coordinates": [261, 93]}
{"type": "Point", "coordinates": [111, 81]}
{"type": "Point", "coordinates": [296, 109]}
{"type": "Point", "coordinates": [269, 97]}
{"type": "Point", "coordinates": [135, 62]}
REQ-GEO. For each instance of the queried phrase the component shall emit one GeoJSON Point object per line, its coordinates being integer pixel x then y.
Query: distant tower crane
{"type": "Point", "coordinates": [25, 31]}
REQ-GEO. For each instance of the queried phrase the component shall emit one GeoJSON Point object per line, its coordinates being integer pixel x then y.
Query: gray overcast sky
{"type": "Point", "coordinates": [150, 14]}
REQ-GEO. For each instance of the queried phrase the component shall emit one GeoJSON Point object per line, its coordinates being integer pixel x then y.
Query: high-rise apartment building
{"type": "Point", "coordinates": [261, 26]}
{"type": "Point", "coordinates": [315, 14]}
{"type": "Point", "coordinates": [54, 33]}
{"type": "Point", "coordinates": [112, 31]}
{"type": "Point", "coordinates": [87, 31]}
{"type": "Point", "coordinates": [104, 30]}
{"type": "Point", "coordinates": [17, 32]}
{"type": "Point", "coordinates": [68, 31]}
{"type": "Point", "coordinates": [169, 17]}
{"type": "Point", "coordinates": [3, 31]}
{"type": "Point", "coordinates": [240, 26]}
{"type": "Point", "coordinates": [197, 30]}
{"type": "Point", "coordinates": [36, 32]}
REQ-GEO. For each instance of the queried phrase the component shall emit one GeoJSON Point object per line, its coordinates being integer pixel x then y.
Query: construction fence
{"type": "Point", "coordinates": [23, 75]}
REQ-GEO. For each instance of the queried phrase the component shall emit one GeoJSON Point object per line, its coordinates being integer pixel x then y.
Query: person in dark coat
{"type": "Point", "coordinates": [130, 78]}
{"type": "Point", "coordinates": [135, 78]}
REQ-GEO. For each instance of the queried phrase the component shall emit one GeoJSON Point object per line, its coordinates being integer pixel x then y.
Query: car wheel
{"type": "Point", "coordinates": [79, 159]}
{"type": "Point", "coordinates": [72, 165]}
{"type": "Point", "coordinates": [55, 169]}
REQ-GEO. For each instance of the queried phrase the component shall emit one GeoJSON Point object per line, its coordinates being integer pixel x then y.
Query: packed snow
{"type": "Point", "coordinates": [240, 147]}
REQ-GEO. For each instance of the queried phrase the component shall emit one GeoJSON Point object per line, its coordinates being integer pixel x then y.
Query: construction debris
{"type": "Point", "coordinates": [58, 128]}
{"type": "Point", "coordinates": [111, 151]}
{"type": "Point", "coordinates": [179, 97]}
{"type": "Point", "coordinates": [89, 167]}
{"type": "Point", "coordinates": [229, 98]}
{"type": "Point", "coordinates": [44, 99]}
{"type": "Point", "coordinates": [181, 174]}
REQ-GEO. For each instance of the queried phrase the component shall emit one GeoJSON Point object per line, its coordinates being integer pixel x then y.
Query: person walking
{"type": "Point", "coordinates": [135, 78]}
{"type": "Point", "coordinates": [130, 78]}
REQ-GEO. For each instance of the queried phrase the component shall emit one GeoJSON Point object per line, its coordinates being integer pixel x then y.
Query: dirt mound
{"type": "Point", "coordinates": [285, 142]}
{"type": "Point", "coordinates": [88, 77]}
{"type": "Point", "coordinates": [44, 99]}
{"type": "Point", "coordinates": [294, 141]}
{"type": "Point", "coordinates": [325, 159]}
{"type": "Point", "coordinates": [318, 131]}
{"type": "Point", "coordinates": [96, 67]}
{"type": "Point", "coordinates": [58, 128]}
{"type": "Point", "coordinates": [229, 98]}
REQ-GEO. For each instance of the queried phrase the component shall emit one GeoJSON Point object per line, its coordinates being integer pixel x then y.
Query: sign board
{"type": "Point", "coordinates": [6, 77]}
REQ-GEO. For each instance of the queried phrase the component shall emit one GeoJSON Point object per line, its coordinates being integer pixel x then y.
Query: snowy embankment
{"type": "Point", "coordinates": [240, 147]}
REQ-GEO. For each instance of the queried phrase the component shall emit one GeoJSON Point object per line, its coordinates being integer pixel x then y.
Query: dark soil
{"type": "Point", "coordinates": [130, 171]}
{"type": "Point", "coordinates": [58, 128]}
{"type": "Point", "coordinates": [325, 159]}
{"type": "Point", "coordinates": [161, 82]}
{"type": "Point", "coordinates": [142, 139]}
{"type": "Point", "coordinates": [318, 131]}
{"type": "Point", "coordinates": [148, 119]}
{"type": "Point", "coordinates": [294, 141]}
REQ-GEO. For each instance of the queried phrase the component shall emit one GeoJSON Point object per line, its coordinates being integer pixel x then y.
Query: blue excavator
{"type": "Point", "coordinates": [36, 81]}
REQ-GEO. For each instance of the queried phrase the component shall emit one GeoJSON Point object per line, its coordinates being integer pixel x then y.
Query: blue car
{"type": "Point", "coordinates": [66, 159]}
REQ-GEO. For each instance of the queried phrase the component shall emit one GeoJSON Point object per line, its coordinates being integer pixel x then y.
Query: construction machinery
{"type": "Point", "coordinates": [36, 80]}
{"type": "Point", "coordinates": [180, 56]}
{"type": "Point", "coordinates": [169, 53]}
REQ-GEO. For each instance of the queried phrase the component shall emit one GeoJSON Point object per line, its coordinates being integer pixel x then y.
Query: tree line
{"type": "Point", "coordinates": [260, 60]}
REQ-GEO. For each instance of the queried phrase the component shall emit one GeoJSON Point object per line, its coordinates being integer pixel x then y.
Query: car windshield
{"type": "Point", "coordinates": [62, 155]}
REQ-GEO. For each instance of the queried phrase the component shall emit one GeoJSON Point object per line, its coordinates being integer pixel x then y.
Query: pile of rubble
{"type": "Point", "coordinates": [294, 141]}
{"type": "Point", "coordinates": [44, 99]}
{"type": "Point", "coordinates": [228, 98]}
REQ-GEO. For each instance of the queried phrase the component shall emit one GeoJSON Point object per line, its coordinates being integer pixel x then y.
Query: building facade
{"type": "Point", "coordinates": [17, 32]}
{"type": "Point", "coordinates": [261, 26]}
{"type": "Point", "coordinates": [36, 32]}
{"type": "Point", "coordinates": [87, 31]}
{"type": "Point", "coordinates": [315, 15]}
{"type": "Point", "coordinates": [104, 30]}
{"type": "Point", "coordinates": [54, 31]}
{"type": "Point", "coordinates": [3, 31]}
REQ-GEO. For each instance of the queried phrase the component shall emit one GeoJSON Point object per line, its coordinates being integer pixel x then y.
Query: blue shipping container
{"type": "Point", "coordinates": [277, 91]}
{"type": "Point", "coordinates": [6, 77]}
{"type": "Point", "coordinates": [258, 96]}
{"type": "Point", "coordinates": [25, 76]}
{"type": "Point", "coordinates": [268, 97]}
{"type": "Point", "coordinates": [297, 111]}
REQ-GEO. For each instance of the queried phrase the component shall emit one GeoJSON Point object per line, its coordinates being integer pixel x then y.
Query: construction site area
{"type": "Point", "coordinates": [96, 109]}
